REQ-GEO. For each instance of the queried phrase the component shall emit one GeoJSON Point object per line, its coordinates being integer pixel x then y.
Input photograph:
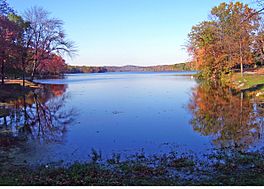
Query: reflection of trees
{"type": "Point", "coordinates": [232, 120]}
{"type": "Point", "coordinates": [40, 115]}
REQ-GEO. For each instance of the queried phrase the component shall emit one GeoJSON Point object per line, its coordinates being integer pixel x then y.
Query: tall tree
{"type": "Point", "coordinates": [259, 46]}
{"type": "Point", "coordinates": [23, 42]}
{"type": "Point", "coordinates": [226, 40]}
{"type": "Point", "coordinates": [7, 35]}
{"type": "Point", "coordinates": [8, 38]}
{"type": "Point", "coordinates": [205, 47]}
{"type": "Point", "coordinates": [47, 37]}
{"type": "Point", "coordinates": [237, 23]}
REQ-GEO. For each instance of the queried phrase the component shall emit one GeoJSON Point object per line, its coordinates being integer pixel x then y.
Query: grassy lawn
{"type": "Point", "coordinates": [253, 84]}
{"type": "Point", "coordinates": [247, 81]}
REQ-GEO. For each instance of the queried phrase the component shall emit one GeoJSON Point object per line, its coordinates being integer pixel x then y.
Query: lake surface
{"type": "Point", "coordinates": [127, 113]}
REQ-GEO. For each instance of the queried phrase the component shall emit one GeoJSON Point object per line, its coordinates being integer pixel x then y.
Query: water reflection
{"type": "Point", "coordinates": [38, 116]}
{"type": "Point", "coordinates": [125, 115]}
{"type": "Point", "coordinates": [231, 119]}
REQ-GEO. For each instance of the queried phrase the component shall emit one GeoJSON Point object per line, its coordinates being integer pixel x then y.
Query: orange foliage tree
{"type": "Point", "coordinates": [225, 42]}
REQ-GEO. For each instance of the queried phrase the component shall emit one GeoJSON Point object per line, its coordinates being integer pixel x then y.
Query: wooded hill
{"type": "Point", "coordinates": [129, 68]}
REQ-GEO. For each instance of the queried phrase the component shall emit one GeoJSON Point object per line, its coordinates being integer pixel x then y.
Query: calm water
{"type": "Point", "coordinates": [126, 113]}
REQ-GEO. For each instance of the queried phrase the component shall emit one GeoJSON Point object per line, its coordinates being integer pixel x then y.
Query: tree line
{"type": "Point", "coordinates": [102, 69]}
{"type": "Point", "coordinates": [31, 45]}
{"type": "Point", "coordinates": [232, 38]}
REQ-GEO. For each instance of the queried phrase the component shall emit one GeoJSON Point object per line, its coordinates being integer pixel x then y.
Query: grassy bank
{"type": "Point", "coordinates": [221, 168]}
{"type": "Point", "coordinates": [251, 83]}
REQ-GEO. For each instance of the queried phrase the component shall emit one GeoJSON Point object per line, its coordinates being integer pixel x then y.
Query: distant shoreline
{"type": "Point", "coordinates": [176, 71]}
{"type": "Point", "coordinates": [191, 73]}
{"type": "Point", "coordinates": [130, 68]}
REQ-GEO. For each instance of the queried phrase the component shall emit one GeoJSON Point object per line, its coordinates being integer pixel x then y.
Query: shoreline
{"type": "Point", "coordinates": [13, 89]}
{"type": "Point", "coordinates": [141, 72]}
{"type": "Point", "coordinates": [166, 170]}
{"type": "Point", "coordinates": [251, 83]}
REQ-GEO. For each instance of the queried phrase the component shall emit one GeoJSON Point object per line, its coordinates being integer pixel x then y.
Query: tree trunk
{"type": "Point", "coordinates": [241, 66]}
{"type": "Point", "coordinates": [241, 59]}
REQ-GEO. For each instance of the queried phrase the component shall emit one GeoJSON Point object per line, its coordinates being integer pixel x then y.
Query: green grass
{"type": "Point", "coordinates": [251, 84]}
{"type": "Point", "coordinates": [248, 81]}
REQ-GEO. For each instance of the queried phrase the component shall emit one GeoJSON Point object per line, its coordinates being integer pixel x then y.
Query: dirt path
{"type": "Point", "coordinates": [20, 82]}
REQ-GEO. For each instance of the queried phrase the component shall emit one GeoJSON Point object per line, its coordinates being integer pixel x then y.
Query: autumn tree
{"type": "Point", "coordinates": [7, 35]}
{"type": "Point", "coordinates": [259, 39]}
{"type": "Point", "coordinates": [52, 66]}
{"type": "Point", "coordinates": [204, 47]}
{"type": "Point", "coordinates": [224, 42]}
{"type": "Point", "coordinates": [31, 44]}
{"type": "Point", "coordinates": [8, 38]}
{"type": "Point", "coordinates": [259, 46]}
{"type": "Point", "coordinates": [47, 38]}
{"type": "Point", "coordinates": [23, 42]}
{"type": "Point", "coordinates": [238, 24]}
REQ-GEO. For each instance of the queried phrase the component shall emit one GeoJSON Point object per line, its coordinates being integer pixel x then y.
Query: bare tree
{"type": "Point", "coordinates": [47, 37]}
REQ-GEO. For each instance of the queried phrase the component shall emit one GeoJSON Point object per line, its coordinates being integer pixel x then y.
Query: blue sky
{"type": "Point", "coordinates": [127, 32]}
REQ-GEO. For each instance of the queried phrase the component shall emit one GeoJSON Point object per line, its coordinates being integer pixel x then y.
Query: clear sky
{"type": "Point", "coordinates": [127, 32]}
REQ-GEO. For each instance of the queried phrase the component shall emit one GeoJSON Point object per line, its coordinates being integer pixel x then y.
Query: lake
{"type": "Point", "coordinates": [127, 113]}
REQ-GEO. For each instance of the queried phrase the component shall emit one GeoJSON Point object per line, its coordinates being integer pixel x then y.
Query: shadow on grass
{"type": "Point", "coordinates": [254, 88]}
